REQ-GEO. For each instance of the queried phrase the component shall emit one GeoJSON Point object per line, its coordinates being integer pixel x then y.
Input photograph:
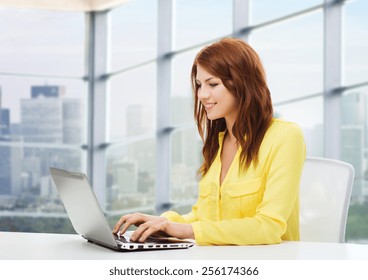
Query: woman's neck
{"type": "Point", "coordinates": [229, 133]}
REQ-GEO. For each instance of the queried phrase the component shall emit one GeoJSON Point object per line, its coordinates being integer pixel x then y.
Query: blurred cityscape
{"type": "Point", "coordinates": [354, 141]}
{"type": "Point", "coordinates": [49, 122]}
{"type": "Point", "coordinates": [51, 132]}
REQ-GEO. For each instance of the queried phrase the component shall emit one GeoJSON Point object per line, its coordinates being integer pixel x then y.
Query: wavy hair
{"type": "Point", "coordinates": [241, 71]}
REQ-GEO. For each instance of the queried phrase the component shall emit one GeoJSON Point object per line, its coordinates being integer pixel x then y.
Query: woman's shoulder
{"type": "Point", "coordinates": [282, 128]}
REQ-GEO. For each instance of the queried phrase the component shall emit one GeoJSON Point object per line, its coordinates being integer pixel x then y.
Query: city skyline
{"type": "Point", "coordinates": [48, 115]}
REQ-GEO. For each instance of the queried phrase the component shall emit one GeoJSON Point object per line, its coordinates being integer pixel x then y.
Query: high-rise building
{"type": "Point", "coordinates": [72, 121]}
{"type": "Point", "coordinates": [47, 117]}
{"type": "Point", "coordinates": [42, 120]}
{"type": "Point", "coordinates": [47, 91]}
{"type": "Point", "coordinates": [5, 151]}
{"type": "Point", "coordinates": [353, 132]}
{"type": "Point", "coordinates": [16, 169]}
{"type": "Point", "coordinates": [4, 122]}
{"type": "Point", "coordinates": [4, 119]}
{"type": "Point", "coordinates": [5, 170]}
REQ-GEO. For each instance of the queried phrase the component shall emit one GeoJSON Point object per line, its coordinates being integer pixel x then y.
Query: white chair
{"type": "Point", "coordinates": [325, 190]}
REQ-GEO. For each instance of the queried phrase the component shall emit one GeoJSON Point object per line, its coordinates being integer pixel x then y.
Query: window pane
{"type": "Point", "coordinates": [265, 10]}
{"type": "Point", "coordinates": [40, 126]}
{"type": "Point", "coordinates": [186, 158]}
{"type": "Point", "coordinates": [133, 33]}
{"type": "Point", "coordinates": [28, 198]}
{"type": "Point", "coordinates": [355, 42]}
{"type": "Point", "coordinates": [44, 110]}
{"type": "Point", "coordinates": [293, 59]}
{"type": "Point", "coordinates": [354, 134]}
{"type": "Point", "coordinates": [354, 143]}
{"type": "Point", "coordinates": [181, 110]}
{"type": "Point", "coordinates": [130, 177]}
{"type": "Point", "coordinates": [132, 106]}
{"type": "Point", "coordinates": [199, 21]}
{"type": "Point", "coordinates": [308, 114]}
{"type": "Point", "coordinates": [39, 41]}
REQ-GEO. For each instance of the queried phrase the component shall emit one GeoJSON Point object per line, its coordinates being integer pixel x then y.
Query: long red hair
{"type": "Point", "coordinates": [241, 71]}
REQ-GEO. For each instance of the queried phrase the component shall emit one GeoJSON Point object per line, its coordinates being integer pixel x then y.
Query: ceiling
{"type": "Point", "coordinates": [63, 5]}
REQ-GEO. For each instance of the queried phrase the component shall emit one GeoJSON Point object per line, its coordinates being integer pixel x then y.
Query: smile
{"type": "Point", "coordinates": [209, 106]}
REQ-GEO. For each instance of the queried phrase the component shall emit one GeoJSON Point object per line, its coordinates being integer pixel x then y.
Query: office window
{"type": "Point", "coordinates": [353, 131]}
{"type": "Point", "coordinates": [186, 158]}
{"type": "Point", "coordinates": [131, 162]}
{"type": "Point", "coordinates": [130, 177]}
{"type": "Point", "coordinates": [181, 110]}
{"type": "Point", "coordinates": [41, 125]}
{"type": "Point", "coordinates": [43, 101]}
{"type": "Point", "coordinates": [308, 114]}
{"type": "Point", "coordinates": [132, 103]}
{"type": "Point", "coordinates": [196, 22]}
{"type": "Point", "coordinates": [266, 10]}
{"type": "Point", "coordinates": [133, 33]}
{"type": "Point", "coordinates": [41, 42]}
{"type": "Point", "coordinates": [131, 110]}
{"type": "Point", "coordinates": [292, 54]}
{"type": "Point", "coordinates": [44, 110]}
{"type": "Point", "coordinates": [354, 113]}
{"type": "Point", "coordinates": [354, 143]}
{"type": "Point", "coordinates": [355, 42]}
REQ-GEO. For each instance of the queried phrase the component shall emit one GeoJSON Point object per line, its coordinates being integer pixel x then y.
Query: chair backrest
{"type": "Point", "coordinates": [325, 190]}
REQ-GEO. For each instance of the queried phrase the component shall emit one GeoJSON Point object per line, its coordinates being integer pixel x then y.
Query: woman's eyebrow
{"type": "Point", "coordinates": [198, 81]}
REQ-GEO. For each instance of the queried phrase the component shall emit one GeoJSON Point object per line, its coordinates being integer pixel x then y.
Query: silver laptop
{"type": "Point", "coordinates": [89, 221]}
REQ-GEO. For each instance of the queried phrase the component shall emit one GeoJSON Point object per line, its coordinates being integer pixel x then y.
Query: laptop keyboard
{"type": "Point", "coordinates": [124, 238]}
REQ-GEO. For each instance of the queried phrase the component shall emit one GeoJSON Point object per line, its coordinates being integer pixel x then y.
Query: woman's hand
{"type": "Point", "coordinates": [148, 225]}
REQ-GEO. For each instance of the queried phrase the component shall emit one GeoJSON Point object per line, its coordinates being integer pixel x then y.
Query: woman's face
{"type": "Point", "coordinates": [215, 98]}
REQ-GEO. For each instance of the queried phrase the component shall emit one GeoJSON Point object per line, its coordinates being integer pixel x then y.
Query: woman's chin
{"type": "Point", "coordinates": [213, 117]}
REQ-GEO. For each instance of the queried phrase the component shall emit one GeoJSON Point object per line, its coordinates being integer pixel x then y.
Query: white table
{"type": "Point", "coordinates": [42, 246]}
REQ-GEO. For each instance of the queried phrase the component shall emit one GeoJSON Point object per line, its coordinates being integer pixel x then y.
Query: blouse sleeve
{"type": "Point", "coordinates": [187, 218]}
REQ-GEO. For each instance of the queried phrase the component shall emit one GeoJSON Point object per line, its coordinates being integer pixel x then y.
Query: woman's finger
{"type": "Point", "coordinates": [120, 223]}
{"type": "Point", "coordinates": [127, 220]}
{"type": "Point", "coordinates": [147, 229]}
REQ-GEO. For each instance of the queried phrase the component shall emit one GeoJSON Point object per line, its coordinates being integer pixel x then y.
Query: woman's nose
{"type": "Point", "coordinates": [203, 93]}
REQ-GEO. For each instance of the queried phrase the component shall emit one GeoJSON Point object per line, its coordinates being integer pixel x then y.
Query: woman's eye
{"type": "Point", "coordinates": [213, 85]}
{"type": "Point", "coordinates": [198, 85]}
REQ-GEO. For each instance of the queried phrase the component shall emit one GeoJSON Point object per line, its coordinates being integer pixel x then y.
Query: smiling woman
{"type": "Point", "coordinates": [248, 193]}
{"type": "Point", "coordinates": [238, 68]}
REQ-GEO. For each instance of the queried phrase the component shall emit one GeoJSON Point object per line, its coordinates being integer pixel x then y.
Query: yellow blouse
{"type": "Point", "coordinates": [258, 206]}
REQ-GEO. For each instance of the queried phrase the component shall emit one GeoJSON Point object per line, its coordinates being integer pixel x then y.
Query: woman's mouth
{"type": "Point", "coordinates": [209, 106]}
